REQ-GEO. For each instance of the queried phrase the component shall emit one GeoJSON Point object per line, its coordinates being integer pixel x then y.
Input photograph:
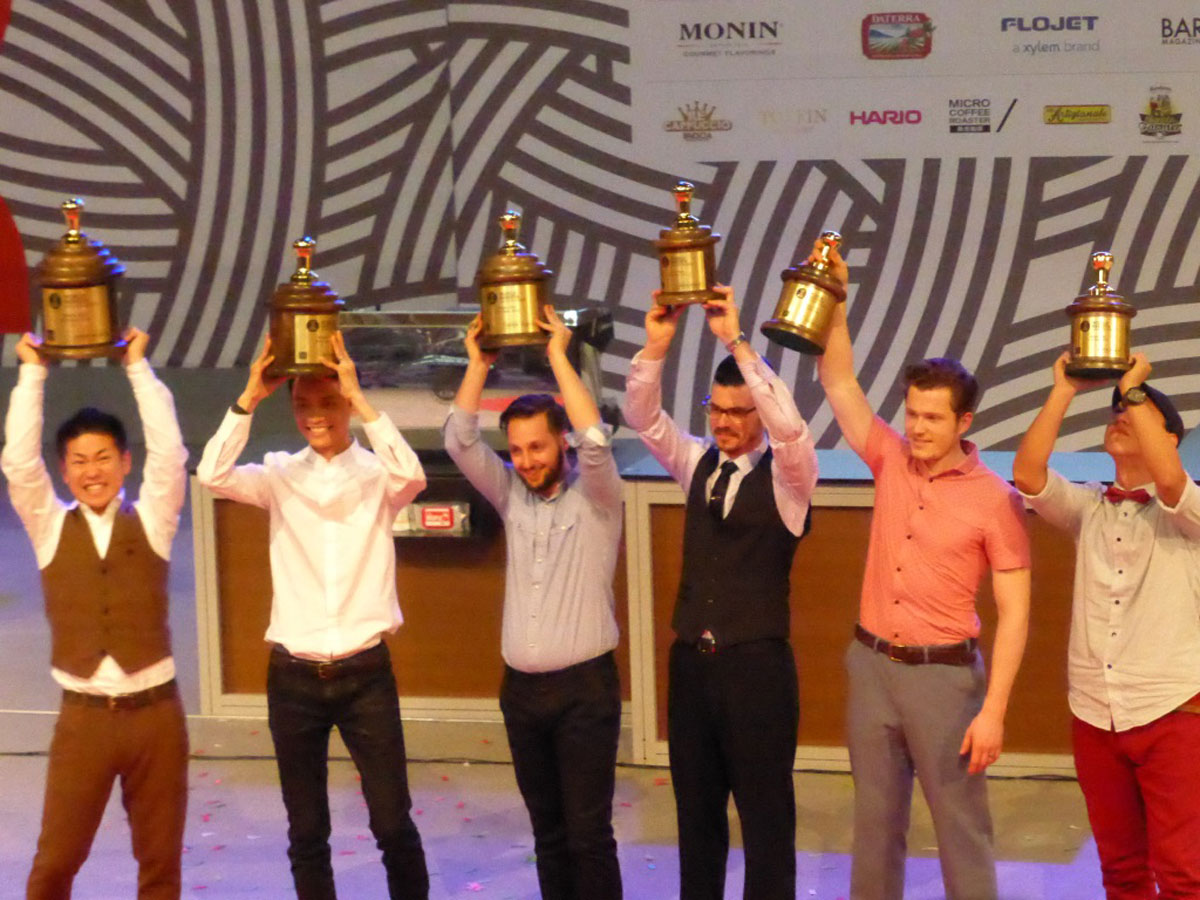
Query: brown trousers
{"type": "Point", "coordinates": [147, 749]}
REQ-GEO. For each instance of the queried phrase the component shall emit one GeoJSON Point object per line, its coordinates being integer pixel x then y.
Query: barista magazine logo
{"type": "Point", "coordinates": [897, 35]}
{"type": "Point", "coordinates": [1177, 32]}
{"type": "Point", "coordinates": [1160, 119]}
{"type": "Point", "coordinates": [697, 122]}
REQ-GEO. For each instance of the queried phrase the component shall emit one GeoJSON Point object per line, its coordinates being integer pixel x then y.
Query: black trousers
{"type": "Point", "coordinates": [358, 696]}
{"type": "Point", "coordinates": [732, 718]}
{"type": "Point", "coordinates": [563, 729]}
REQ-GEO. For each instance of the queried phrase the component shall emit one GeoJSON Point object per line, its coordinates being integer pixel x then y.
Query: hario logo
{"type": "Point", "coordinates": [1046, 23]}
{"type": "Point", "coordinates": [728, 31]}
{"type": "Point", "coordinates": [886, 117]}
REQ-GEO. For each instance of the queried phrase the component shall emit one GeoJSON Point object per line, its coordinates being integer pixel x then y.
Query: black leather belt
{"type": "Point", "coordinates": [960, 654]}
{"type": "Point", "coordinates": [331, 668]}
{"type": "Point", "coordinates": [136, 700]}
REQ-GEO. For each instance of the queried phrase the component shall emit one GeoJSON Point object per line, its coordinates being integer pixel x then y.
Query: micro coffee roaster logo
{"type": "Point", "coordinates": [1160, 119]}
{"type": "Point", "coordinates": [976, 115]}
{"type": "Point", "coordinates": [897, 35]}
{"type": "Point", "coordinates": [697, 122]}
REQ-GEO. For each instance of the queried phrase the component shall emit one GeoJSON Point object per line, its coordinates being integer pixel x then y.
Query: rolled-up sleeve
{"type": "Point", "coordinates": [481, 465]}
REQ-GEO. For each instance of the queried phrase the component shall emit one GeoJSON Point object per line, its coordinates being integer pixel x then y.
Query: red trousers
{"type": "Point", "coordinates": [1142, 789]}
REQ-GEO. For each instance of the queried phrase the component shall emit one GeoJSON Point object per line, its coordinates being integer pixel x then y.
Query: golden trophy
{"type": "Point", "coordinates": [78, 278]}
{"type": "Point", "coordinates": [806, 304]}
{"type": "Point", "coordinates": [304, 316]}
{"type": "Point", "coordinates": [1100, 321]}
{"type": "Point", "coordinates": [687, 261]}
{"type": "Point", "coordinates": [512, 291]}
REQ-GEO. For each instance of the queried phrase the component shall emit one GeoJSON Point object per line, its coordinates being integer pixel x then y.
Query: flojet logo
{"type": "Point", "coordinates": [748, 37]}
{"type": "Point", "coordinates": [1160, 120]}
{"type": "Point", "coordinates": [1181, 31]}
{"type": "Point", "coordinates": [886, 117]}
{"type": "Point", "coordinates": [897, 35]}
{"type": "Point", "coordinates": [1064, 29]}
{"type": "Point", "coordinates": [974, 115]}
{"type": "Point", "coordinates": [1077, 114]}
{"type": "Point", "coordinates": [1046, 23]}
{"type": "Point", "coordinates": [697, 121]}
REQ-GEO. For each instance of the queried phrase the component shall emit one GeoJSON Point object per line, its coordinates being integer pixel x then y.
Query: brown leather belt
{"type": "Point", "coordinates": [960, 654]}
{"type": "Point", "coordinates": [136, 700]}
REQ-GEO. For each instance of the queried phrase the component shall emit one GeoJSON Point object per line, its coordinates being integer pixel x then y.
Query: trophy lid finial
{"type": "Point", "coordinates": [683, 200]}
{"type": "Point", "coordinates": [304, 248]}
{"type": "Point", "coordinates": [71, 211]}
{"type": "Point", "coordinates": [510, 227]}
{"type": "Point", "coordinates": [1102, 262]}
{"type": "Point", "coordinates": [830, 240]}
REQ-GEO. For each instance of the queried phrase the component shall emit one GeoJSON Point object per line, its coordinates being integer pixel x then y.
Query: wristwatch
{"type": "Point", "coordinates": [1135, 396]}
{"type": "Point", "coordinates": [740, 339]}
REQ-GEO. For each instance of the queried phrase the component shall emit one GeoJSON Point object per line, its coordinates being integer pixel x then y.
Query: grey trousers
{"type": "Point", "coordinates": [903, 720]}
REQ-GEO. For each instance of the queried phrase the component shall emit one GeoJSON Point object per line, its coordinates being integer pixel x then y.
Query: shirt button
{"type": "Point", "coordinates": [1117, 602]}
{"type": "Point", "coordinates": [1118, 540]}
{"type": "Point", "coordinates": [1109, 666]}
{"type": "Point", "coordinates": [897, 568]}
{"type": "Point", "coordinates": [921, 507]}
{"type": "Point", "coordinates": [1120, 571]}
{"type": "Point", "coordinates": [897, 602]}
{"type": "Point", "coordinates": [908, 537]}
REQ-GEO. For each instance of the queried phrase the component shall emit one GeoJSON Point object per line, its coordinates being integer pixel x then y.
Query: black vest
{"type": "Point", "coordinates": [736, 570]}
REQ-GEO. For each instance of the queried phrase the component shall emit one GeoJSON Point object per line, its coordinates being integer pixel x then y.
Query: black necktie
{"type": "Point", "coordinates": [716, 500]}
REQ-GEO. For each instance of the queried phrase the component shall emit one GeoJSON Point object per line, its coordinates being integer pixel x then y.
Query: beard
{"type": "Point", "coordinates": [547, 477]}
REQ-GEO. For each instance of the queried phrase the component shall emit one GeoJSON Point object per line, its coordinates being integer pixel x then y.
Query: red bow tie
{"type": "Point", "coordinates": [1115, 494]}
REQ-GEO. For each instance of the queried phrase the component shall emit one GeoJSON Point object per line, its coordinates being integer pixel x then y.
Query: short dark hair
{"type": "Point", "coordinates": [529, 405]}
{"type": "Point", "coordinates": [728, 374]}
{"type": "Point", "coordinates": [941, 371]}
{"type": "Point", "coordinates": [1171, 418]}
{"type": "Point", "coordinates": [90, 420]}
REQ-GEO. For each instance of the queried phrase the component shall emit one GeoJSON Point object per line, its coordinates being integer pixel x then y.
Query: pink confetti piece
{"type": "Point", "coordinates": [202, 775]}
{"type": "Point", "coordinates": [347, 852]}
{"type": "Point", "coordinates": [200, 887]}
{"type": "Point", "coordinates": [486, 741]}
{"type": "Point", "coordinates": [466, 818]}
{"type": "Point", "coordinates": [626, 803]}
{"type": "Point", "coordinates": [460, 804]}
{"type": "Point", "coordinates": [474, 886]}
{"type": "Point", "coordinates": [218, 781]}
{"type": "Point", "coordinates": [445, 778]}
{"type": "Point", "coordinates": [418, 812]}
{"type": "Point", "coordinates": [363, 837]}
{"type": "Point", "coordinates": [254, 733]}
{"type": "Point", "coordinates": [659, 782]}
{"type": "Point", "coordinates": [218, 847]}
{"type": "Point", "coordinates": [205, 817]}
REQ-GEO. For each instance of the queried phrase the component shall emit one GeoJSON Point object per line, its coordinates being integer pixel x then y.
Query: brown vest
{"type": "Point", "coordinates": [115, 606]}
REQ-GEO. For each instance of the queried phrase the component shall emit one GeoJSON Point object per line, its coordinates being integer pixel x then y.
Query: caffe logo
{"type": "Point", "coordinates": [55, 300]}
{"type": "Point", "coordinates": [312, 325]}
{"type": "Point", "coordinates": [1079, 114]}
{"type": "Point", "coordinates": [1160, 120]}
{"type": "Point", "coordinates": [897, 35]}
{"type": "Point", "coordinates": [697, 122]}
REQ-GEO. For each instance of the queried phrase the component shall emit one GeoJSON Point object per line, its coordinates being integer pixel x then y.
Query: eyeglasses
{"type": "Point", "coordinates": [737, 413]}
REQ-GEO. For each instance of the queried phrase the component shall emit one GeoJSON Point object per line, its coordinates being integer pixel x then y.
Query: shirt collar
{"type": "Point", "coordinates": [965, 467]}
{"type": "Point", "coordinates": [311, 457]}
{"type": "Point", "coordinates": [747, 461]}
{"type": "Point", "coordinates": [110, 511]}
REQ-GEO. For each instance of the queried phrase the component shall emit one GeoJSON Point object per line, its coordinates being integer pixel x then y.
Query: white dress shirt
{"type": "Point", "coordinates": [163, 490]}
{"type": "Point", "coordinates": [333, 559]}
{"type": "Point", "coordinates": [794, 458]}
{"type": "Point", "coordinates": [1134, 649]}
{"type": "Point", "coordinates": [562, 550]}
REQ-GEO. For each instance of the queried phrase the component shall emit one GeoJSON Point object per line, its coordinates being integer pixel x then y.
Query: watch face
{"type": "Point", "coordinates": [1134, 396]}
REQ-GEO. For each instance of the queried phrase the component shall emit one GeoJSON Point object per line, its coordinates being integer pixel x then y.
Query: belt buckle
{"type": "Point", "coordinates": [706, 643]}
{"type": "Point", "coordinates": [111, 702]}
{"type": "Point", "coordinates": [325, 670]}
{"type": "Point", "coordinates": [891, 653]}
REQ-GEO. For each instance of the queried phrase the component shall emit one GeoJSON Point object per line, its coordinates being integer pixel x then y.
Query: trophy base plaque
{"type": "Point", "coordinates": [788, 335]}
{"type": "Point", "coordinates": [1097, 369]}
{"type": "Point", "coordinates": [108, 350]}
{"type": "Point", "coordinates": [682, 298]}
{"type": "Point", "coordinates": [490, 342]}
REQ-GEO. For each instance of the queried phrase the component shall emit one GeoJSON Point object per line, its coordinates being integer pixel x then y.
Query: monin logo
{"type": "Point", "coordinates": [728, 31]}
{"type": "Point", "coordinates": [697, 121]}
{"type": "Point", "coordinates": [886, 117]}
{"type": "Point", "coordinates": [1182, 32]}
{"type": "Point", "coordinates": [1046, 23]}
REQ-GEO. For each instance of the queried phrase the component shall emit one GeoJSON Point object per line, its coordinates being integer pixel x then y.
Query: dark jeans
{"type": "Point", "coordinates": [732, 721]}
{"type": "Point", "coordinates": [563, 729]}
{"type": "Point", "coordinates": [358, 695]}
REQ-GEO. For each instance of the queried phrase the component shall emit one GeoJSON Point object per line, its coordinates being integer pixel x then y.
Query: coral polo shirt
{"type": "Point", "coordinates": [932, 539]}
